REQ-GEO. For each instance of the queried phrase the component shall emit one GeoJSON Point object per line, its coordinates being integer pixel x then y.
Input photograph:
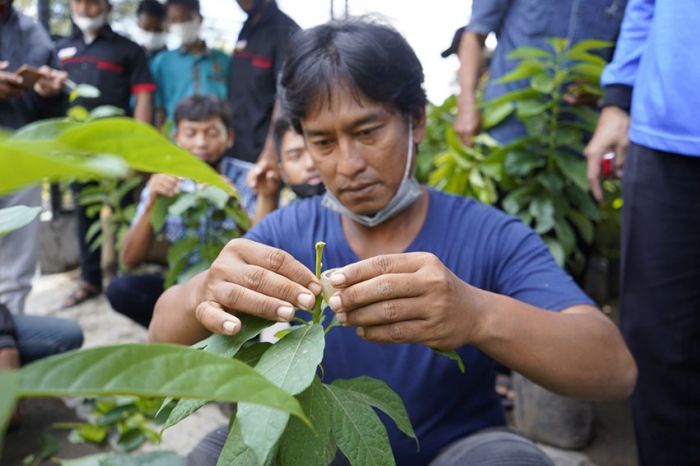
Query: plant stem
{"type": "Point", "coordinates": [319, 267]}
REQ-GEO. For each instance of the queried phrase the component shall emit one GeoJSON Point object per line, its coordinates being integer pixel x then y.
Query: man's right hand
{"type": "Point", "coordinates": [10, 83]}
{"type": "Point", "coordinates": [468, 122]}
{"type": "Point", "coordinates": [611, 135]}
{"type": "Point", "coordinates": [162, 185]}
{"type": "Point", "coordinates": [256, 279]}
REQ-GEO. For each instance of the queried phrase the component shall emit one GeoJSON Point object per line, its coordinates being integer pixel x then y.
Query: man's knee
{"type": "Point", "coordinates": [492, 448]}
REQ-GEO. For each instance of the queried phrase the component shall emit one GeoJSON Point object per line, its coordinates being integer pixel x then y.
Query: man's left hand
{"type": "Point", "coordinates": [406, 298]}
{"type": "Point", "coordinates": [51, 81]}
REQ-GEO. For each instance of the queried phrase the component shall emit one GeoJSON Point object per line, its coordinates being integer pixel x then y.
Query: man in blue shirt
{"type": "Point", "coordinates": [651, 103]}
{"type": "Point", "coordinates": [419, 269]}
{"type": "Point", "coordinates": [203, 126]}
{"type": "Point", "coordinates": [519, 23]}
{"type": "Point", "coordinates": [192, 68]}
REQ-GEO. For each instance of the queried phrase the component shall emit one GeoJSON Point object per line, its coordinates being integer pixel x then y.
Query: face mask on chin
{"type": "Point", "coordinates": [408, 192]}
{"type": "Point", "coordinates": [185, 33]}
{"type": "Point", "coordinates": [150, 41]}
{"type": "Point", "coordinates": [90, 25]}
{"type": "Point", "coordinates": [305, 190]}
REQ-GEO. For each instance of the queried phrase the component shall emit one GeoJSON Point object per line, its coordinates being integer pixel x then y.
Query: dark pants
{"type": "Point", "coordinates": [135, 296]}
{"type": "Point", "coordinates": [42, 336]}
{"type": "Point", "coordinates": [90, 260]}
{"type": "Point", "coordinates": [492, 447]}
{"type": "Point", "coordinates": [660, 314]}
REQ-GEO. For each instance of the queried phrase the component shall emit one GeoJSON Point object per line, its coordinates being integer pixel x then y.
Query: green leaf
{"type": "Point", "coordinates": [131, 440]}
{"type": "Point", "coordinates": [542, 82]}
{"type": "Point", "coordinates": [359, 433]}
{"type": "Point", "coordinates": [183, 202]}
{"type": "Point", "coordinates": [9, 381]}
{"type": "Point", "coordinates": [559, 44]}
{"type": "Point", "coordinates": [521, 163]}
{"type": "Point", "coordinates": [138, 143]}
{"type": "Point", "coordinates": [159, 212]}
{"type": "Point", "coordinates": [583, 225]}
{"type": "Point", "coordinates": [235, 451]}
{"type": "Point", "coordinates": [303, 446]}
{"type": "Point", "coordinates": [376, 393]}
{"type": "Point", "coordinates": [512, 96]}
{"type": "Point", "coordinates": [574, 168]}
{"type": "Point", "coordinates": [528, 108]}
{"type": "Point", "coordinates": [587, 70]}
{"type": "Point", "coordinates": [494, 114]}
{"type": "Point", "coordinates": [153, 458]}
{"type": "Point", "coordinates": [565, 236]}
{"type": "Point", "coordinates": [223, 345]}
{"type": "Point", "coordinates": [92, 433]}
{"type": "Point", "coordinates": [24, 163]}
{"type": "Point", "coordinates": [152, 370]}
{"type": "Point", "coordinates": [43, 130]}
{"type": "Point", "coordinates": [588, 45]}
{"type": "Point", "coordinates": [252, 354]}
{"type": "Point", "coordinates": [181, 249]}
{"type": "Point", "coordinates": [528, 53]}
{"type": "Point", "coordinates": [86, 91]}
{"type": "Point", "coordinates": [78, 113]}
{"type": "Point", "coordinates": [524, 70]}
{"type": "Point", "coordinates": [214, 195]}
{"type": "Point", "coordinates": [290, 364]}
{"type": "Point", "coordinates": [586, 57]}
{"type": "Point", "coordinates": [105, 111]}
{"type": "Point", "coordinates": [14, 218]}
{"type": "Point", "coordinates": [556, 250]}
{"type": "Point", "coordinates": [583, 201]}
{"type": "Point", "coordinates": [542, 210]}
{"type": "Point", "coordinates": [516, 199]}
{"type": "Point", "coordinates": [95, 228]}
{"type": "Point", "coordinates": [453, 355]}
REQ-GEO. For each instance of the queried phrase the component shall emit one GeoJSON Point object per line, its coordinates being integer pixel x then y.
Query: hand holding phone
{"type": "Point", "coordinates": [29, 75]}
{"type": "Point", "coordinates": [10, 83]}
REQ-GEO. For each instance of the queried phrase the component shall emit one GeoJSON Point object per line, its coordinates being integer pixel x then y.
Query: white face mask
{"type": "Point", "coordinates": [185, 33]}
{"type": "Point", "coordinates": [150, 40]}
{"type": "Point", "coordinates": [90, 25]}
{"type": "Point", "coordinates": [408, 192]}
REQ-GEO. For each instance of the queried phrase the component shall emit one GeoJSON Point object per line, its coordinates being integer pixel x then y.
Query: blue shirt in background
{"type": "Point", "coordinates": [179, 74]}
{"type": "Point", "coordinates": [519, 23]}
{"type": "Point", "coordinates": [482, 246]}
{"type": "Point", "coordinates": [658, 55]}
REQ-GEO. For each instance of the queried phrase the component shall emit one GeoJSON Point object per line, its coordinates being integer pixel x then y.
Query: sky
{"type": "Point", "coordinates": [428, 27]}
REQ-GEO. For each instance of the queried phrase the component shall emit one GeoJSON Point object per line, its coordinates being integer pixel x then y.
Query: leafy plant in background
{"type": "Point", "coordinates": [210, 218]}
{"type": "Point", "coordinates": [541, 176]}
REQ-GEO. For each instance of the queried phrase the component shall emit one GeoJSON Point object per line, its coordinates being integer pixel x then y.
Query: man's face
{"type": "Point", "coordinates": [206, 139]}
{"type": "Point", "coordinates": [180, 14]}
{"type": "Point", "coordinates": [296, 164]}
{"type": "Point", "coordinates": [89, 8]}
{"type": "Point", "coordinates": [359, 148]}
{"type": "Point", "coordinates": [150, 23]}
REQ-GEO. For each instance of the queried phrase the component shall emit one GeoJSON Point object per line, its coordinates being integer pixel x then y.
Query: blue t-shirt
{"type": "Point", "coordinates": [179, 74]}
{"type": "Point", "coordinates": [481, 245]}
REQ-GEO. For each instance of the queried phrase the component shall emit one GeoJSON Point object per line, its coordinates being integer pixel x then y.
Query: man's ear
{"type": "Point", "coordinates": [419, 122]}
{"type": "Point", "coordinates": [230, 138]}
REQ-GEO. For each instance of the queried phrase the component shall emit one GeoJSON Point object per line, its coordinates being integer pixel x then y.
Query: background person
{"type": "Point", "coordinates": [96, 55]}
{"type": "Point", "coordinates": [191, 68]}
{"type": "Point", "coordinates": [203, 128]}
{"type": "Point", "coordinates": [151, 35]}
{"type": "Point", "coordinates": [660, 264]}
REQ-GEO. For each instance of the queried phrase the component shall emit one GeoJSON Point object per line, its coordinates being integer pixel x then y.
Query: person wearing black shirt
{"type": "Point", "coordinates": [257, 61]}
{"type": "Point", "coordinates": [96, 55]}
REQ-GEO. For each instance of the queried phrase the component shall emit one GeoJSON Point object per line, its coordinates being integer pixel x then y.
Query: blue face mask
{"type": "Point", "coordinates": [408, 192]}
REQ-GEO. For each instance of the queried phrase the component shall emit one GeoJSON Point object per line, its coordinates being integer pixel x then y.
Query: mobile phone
{"type": "Point", "coordinates": [29, 74]}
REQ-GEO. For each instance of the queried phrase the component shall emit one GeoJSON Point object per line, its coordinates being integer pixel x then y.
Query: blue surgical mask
{"type": "Point", "coordinates": [408, 192]}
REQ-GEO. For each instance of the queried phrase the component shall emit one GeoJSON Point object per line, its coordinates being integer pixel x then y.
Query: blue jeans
{"type": "Point", "coordinates": [42, 336]}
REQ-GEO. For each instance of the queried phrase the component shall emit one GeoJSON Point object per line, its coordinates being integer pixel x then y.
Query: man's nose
{"type": "Point", "coordinates": [351, 160]}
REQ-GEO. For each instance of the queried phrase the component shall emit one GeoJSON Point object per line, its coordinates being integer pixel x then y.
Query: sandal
{"type": "Point", "coordinates": [80, 294]}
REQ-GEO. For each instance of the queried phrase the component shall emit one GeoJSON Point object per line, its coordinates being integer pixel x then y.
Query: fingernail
{"type": "Point", "coordinates": [360, 332]}
{"type": "Point", "coordinates": [315, 288]}
{"type": "Point", "coordinates": [306, 300]}
{"type": "Point", "coordinates": [338, 278]}
{"type": "Point", "coordinates": [335, 302]}
{"type": "Point", "coordinates": [342, 317]}
{"type": "Point", "coordinates": [229, 327]}
{"type": "Point", "coordinates": [285, 312]}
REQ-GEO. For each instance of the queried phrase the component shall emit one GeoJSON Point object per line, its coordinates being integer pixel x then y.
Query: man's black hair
{"type": "Point", "coordinates": [201, 108]}
{"type": "Point", "coordinates": [279, 129]}
{"type": "Point", "coordinates": [151, 8]}
{"type": "Point", "coordinates": [369, 58]}
{"type": "Point", "coordinates": [192, 5]}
